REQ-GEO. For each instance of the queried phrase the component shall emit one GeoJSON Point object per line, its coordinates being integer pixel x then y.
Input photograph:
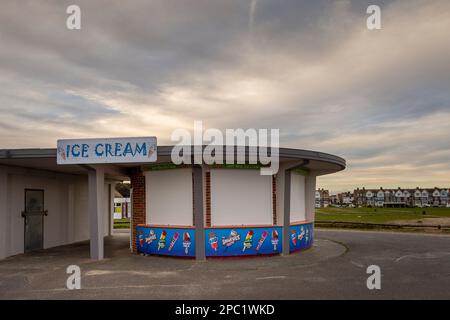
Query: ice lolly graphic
{"type": "Point", "coordinates": [301, 234]}
{"type": "Point", "coordinates": [213, 241]}
{"type": "Point", "coordinates": [175, 237]}
{"type": "Point", "coordinates": [186, 242]}
{"type": "Point", "coordinates": [141, 239]}
{"type": "Point", "coordinates": [162, 240]}
{"type": "Point", "coordinates": [274, 239]}
{"type": "Point", "coordinates": [294, 238]}
{"type": "Point", "coordinates": [264, 235]}
{"type": "Point", "coordinates": [248, 240]}
{"type": "Point", "coordinates": [151, 237]}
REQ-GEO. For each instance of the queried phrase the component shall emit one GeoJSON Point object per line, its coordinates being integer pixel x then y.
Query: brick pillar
{"type": "Point", "coordinates": [138, 185]}
{"type": "Point", "coordinates": [208, 198]}
{"type": "Point", "coordinates": [274, 200]}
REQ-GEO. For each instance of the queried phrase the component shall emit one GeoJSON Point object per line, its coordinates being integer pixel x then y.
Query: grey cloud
{"type": "Point", "coordinates": [310, 68]}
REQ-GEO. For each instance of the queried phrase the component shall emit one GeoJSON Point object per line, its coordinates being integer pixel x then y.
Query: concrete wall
{"type": "Point", "coordinates": [298, 205]}
{"type": "Point", "coordinates": [240, 197]}
{"type": "Point", "coordinates": [168, 196]}
{"type": "Point", "coordinates": [65, 198]}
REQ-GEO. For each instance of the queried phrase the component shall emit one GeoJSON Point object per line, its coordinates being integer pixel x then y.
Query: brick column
{"type": "Point", "coordinates": [208, 198]}
{"type": "Point", "coordinates": [138, 205]}
{"type": "Point", "coordinates": [274, 200]}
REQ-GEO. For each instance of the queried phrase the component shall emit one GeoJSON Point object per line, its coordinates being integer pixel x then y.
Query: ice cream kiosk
{"type": "Point", "coordinates": [227, 210]}
{"type": "Point", "coordinates": [199, 209]}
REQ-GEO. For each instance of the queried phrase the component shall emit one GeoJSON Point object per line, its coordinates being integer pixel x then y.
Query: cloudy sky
{"type": "Point", "coordinates": [380, 99]}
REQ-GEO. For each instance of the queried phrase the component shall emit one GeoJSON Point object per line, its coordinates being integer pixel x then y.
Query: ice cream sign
{"type": "Point", "coordinates": [108, 150]}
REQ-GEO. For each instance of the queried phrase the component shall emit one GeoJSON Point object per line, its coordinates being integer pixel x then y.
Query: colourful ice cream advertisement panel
{"type": "Point", "coordinates": [166, 241]}
{"type": "Point", "coordinates": [300, 236]}
{"type": "Point", "coordinates": [241, 241]}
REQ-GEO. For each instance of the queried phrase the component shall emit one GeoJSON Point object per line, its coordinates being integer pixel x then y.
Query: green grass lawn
{"type": "Point", "coordinates": [379, 215]}
{"type": "Point", "coordinates": [122, 223]}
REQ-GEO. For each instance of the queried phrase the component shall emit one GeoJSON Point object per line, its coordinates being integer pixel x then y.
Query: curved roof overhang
{"type": "Point", "coordinates": [45, 159]}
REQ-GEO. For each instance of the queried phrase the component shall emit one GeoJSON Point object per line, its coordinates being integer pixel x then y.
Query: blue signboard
{"type": "Point", "coordinates": [223, 242]}
{"type": "Point", "coordinates": [166, 241]}
{"type": "Point", "coordinates": [300, 236]}
{"type": "Point", "coordinates": [107, 150]}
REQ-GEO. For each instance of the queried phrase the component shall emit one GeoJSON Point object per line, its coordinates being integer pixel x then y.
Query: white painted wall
{"type": "Point", "coordinates": [169, 197]}
{"type": "Point", "coordinates": [3, 212]}
{"type": "Point", "coordinates": [65, 198]}
{"type": "Point", "coordinates": [240, 197]}
{"type": "Point", "coordinates": [298, 211]}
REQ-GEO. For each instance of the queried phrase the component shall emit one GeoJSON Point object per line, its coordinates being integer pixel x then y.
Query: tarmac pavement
{"type": "Point", "coordinates": [413, 266]}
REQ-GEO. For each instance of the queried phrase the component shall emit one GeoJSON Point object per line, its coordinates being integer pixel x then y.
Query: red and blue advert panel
{"type": "Point", "coordinates": [242, 241]}
{"type": "Point", "coordinates": [178, 242]}
{"type": "Point", "coordinates": [300, 236]}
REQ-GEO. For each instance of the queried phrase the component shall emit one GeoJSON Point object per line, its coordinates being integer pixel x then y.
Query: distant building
{"type": "Point", "coordinates": [345, 199]}
{"type": "Point", "coordinates": [122, 206]}
{"type": "Point", "coordinates": [437, 197]}
{"type": "Point", "coordinates": [334, 199]}
{"type": "Point", "coordinates": [322, 198]}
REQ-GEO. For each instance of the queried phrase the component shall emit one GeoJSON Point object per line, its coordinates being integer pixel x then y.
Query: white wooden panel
{"type": "Point", "coordinates": [169, 197]}
{"type": "Point", "coordinates": [297, 197]}
{"type": "Point", "coordinates": [240, 197]}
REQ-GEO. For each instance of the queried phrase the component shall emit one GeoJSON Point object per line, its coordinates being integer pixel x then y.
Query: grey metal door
{"type": "Point", "coordinates": [34, 219]}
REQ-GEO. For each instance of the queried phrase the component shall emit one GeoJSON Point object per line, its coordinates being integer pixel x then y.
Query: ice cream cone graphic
{"type": "Point", "coordinates": [248, 242]}
{"type": "Point", "coordinates": [62, 153]}
{"type": "Point", "coordinates": [186, 242]}
{"type": "Point", "coordinates": [213, 240]}
{"type": "Point", "coordinates": [162, 240]}
{"type": "Point", "coordinates": [151, 151]}
{"type": "Point", "coordinates": [275, 239]}
{"type": "Point", "coordinates": [175, 237]}
{"type": "Point", "coordinates": [264, 235]}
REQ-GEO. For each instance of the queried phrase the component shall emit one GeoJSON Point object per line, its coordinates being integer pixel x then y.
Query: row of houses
{"type": "Point", "coordinates": [418, 197]}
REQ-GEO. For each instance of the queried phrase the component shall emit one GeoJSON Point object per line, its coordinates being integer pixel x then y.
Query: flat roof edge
{"type": "Point", "coordinates": [166, 151]}
{"type": "Point", "coordinates": [27, 153]}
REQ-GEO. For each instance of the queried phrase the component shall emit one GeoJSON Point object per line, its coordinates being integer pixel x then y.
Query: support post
{"type": "Point", "coordinates": [96, 184]}
{"type": "Point", "coordinates": [310, 194]}
{"type": "Point", "coordinates": [198, 213]}
{"type": "Point", "coordinates": [71, 213]}
{"type": "Point", "coordinates": [286, 211]}
{"type": "Point", "coordinates": [3, 213]}
{"type": "Point", "coordinates": [112, 188]}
